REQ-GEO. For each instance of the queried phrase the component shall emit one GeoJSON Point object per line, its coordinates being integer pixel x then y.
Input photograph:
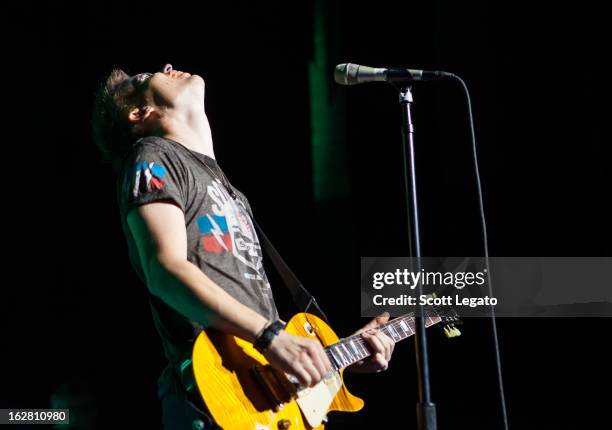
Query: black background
{"type": "Point", "coordinates": [73, 314]}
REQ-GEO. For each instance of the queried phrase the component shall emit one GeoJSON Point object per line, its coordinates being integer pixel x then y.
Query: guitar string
{"type": "Point", "coordinates": [396, 323]}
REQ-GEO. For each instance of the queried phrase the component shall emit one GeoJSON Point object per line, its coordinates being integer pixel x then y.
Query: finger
{"type": "Point", "coordinates": [381, 362]}
{"type": "Point", "coordinates": [379, 320]}
{"type": "Point", "coordinates": [374, 342]}
{"type": "Point", "coordinates": [317, 354]}
{"type": "Point", "coordinates": [327, 362]}
{"type": "Point", "coordinates": [387, 342]}
{"type": "Point", "coordinates": [324, 360]}
{"type": "Point", "coordinates": [302, 375]}
{"type": "Point", "coordinates": [309, 366]}
{"type": "Point", "coordinates": [382, 318]}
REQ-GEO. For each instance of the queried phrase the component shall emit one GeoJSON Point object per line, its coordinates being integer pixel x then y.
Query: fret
{"type": "Point", "coordinates": [355, 348]}
{"type": "Point", "coordinates": [400, 330]}
{"type": "Point", "coordinates": [337, 356]}
{"type": "Point", "coordinates": [387, 330]}
{"type": "Point", "coordinates": [432, 320]}
{"type": "Point", "coordinates": [360, 346]}
{"type": "Point", "coordinates": [351, 359]}
{"type": "Point", "coordinates": [345, 360]}
{"type": "Point", "coordinates": [332, 359]}
{"type": "Point", "coordinates": [406, 327]}
{"type": "Point", "coordinates": [394, 334]}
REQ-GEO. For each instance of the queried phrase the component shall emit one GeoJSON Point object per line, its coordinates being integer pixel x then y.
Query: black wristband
{"type": "Point", "coordinates": [263, 341]}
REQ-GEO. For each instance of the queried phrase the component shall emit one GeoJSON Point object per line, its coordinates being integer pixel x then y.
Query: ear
{"type": "Point", "coordinates": [140, 114]}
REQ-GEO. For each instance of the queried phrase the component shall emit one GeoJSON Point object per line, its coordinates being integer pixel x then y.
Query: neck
{"type": "Point", "coordinates": [191, 130]}
{"type": "Point", "coordinates": [354, 348]}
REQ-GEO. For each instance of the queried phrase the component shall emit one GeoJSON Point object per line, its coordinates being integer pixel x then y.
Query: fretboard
{"type": "Point", "coordinates": [355, 348]}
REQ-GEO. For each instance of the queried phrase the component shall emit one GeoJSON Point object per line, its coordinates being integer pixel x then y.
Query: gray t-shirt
{"type": "Point", "coordinates": [221, 238]}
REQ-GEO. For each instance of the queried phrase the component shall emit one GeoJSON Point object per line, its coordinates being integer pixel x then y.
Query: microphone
{"type": "Point", "coordinates": [352, 74]}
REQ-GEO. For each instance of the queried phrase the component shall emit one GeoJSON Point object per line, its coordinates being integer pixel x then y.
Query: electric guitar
{"type": "Point", "coordinates": [243, 392]}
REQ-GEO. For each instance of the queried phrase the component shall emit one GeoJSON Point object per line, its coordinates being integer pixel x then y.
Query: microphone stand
{"type": "Point", "coordinates": [425, 408]}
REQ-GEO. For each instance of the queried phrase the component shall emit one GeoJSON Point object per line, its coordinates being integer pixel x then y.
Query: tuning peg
{"type": "Point", "coordinates": [450, 332]}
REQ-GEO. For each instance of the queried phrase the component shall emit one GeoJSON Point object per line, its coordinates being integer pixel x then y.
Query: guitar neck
{"type": "Point", "coordinates": [355, 348]}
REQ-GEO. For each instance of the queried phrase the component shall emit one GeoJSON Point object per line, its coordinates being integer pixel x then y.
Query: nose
{"type": "Point", "coordinates": [167, 68]}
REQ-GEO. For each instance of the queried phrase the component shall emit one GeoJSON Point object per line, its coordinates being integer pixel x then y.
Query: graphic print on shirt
{"type": "Point", "coordinates": [149, 177]}
{"type": "Point", "coordinates": [215, 234]}
{"type": "Point", "coordinates": [229, 229]}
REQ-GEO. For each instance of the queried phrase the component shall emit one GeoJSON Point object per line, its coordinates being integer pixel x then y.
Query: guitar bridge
{"type": "Point", "coordinates": [277, 388]}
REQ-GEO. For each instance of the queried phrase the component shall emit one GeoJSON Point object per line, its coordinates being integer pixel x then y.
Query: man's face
{"type": "Point", "coordinates": [170, 88]}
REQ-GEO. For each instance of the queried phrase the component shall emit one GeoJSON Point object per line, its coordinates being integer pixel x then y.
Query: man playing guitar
{"type": "Point", "coordinates": [191, 238]}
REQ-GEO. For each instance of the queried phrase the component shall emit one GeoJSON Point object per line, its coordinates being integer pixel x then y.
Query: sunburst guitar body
{"type": "Point", "coordinates": [243, 392]}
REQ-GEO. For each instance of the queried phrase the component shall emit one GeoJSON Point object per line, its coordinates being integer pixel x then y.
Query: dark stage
{"type": "Point", "coordinates": [322, 167]}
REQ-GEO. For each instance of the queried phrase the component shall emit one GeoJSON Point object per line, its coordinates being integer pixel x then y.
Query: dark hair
{"type": "Point", "coordinates": [112, 132]}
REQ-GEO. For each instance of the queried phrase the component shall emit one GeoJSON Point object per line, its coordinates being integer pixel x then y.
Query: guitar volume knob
{"type": "Point", "coordinates": [284, 424]}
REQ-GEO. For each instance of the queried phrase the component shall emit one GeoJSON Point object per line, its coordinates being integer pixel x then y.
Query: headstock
{"type": "Point", "coordinates": [449, 320]}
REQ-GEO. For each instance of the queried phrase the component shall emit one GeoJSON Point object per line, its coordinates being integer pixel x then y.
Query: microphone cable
{"type": "Point", "coordinates": [440, 74]}
{"type": "Point", "coordinates": [486, 248]}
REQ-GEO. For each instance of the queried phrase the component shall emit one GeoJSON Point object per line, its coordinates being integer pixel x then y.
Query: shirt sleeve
{"type": "Point", "coordinates": [152, 174]}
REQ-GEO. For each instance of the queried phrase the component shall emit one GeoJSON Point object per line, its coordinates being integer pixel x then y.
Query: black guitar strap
{"type": "Point", "coordinates": [301, 296]}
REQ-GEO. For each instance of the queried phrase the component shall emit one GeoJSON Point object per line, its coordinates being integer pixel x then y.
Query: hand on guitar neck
{"type": "Point", "coordinates": [243, 391]}
{"type": "Point", "coordinates": [380, 345]}
{"type": "Point", "coordinates": [306, 359]}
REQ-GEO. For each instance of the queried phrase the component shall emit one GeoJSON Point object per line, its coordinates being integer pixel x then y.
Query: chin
{"type": "Point", "coordinates": [197, 84]}
{"type": "Point", "coordinates": [197, 78]}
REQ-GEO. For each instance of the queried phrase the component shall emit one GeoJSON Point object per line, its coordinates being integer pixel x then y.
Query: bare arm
{"type": "Point", "coordinates": [159, 232]}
